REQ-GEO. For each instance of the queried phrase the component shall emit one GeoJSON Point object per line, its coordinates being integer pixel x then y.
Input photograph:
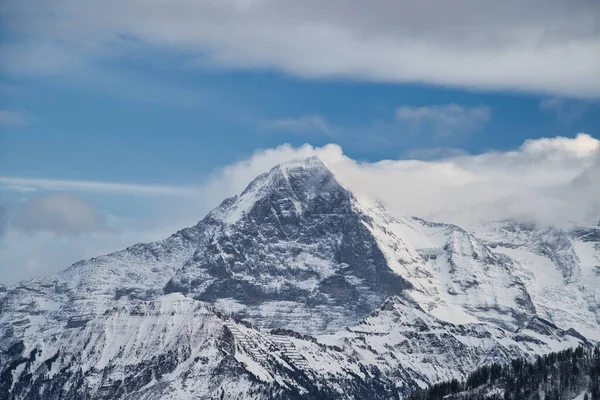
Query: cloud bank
{"type": "Point", "coordinates": [533, 183]}
{"type": "Point", "coordinates": [545, 46]}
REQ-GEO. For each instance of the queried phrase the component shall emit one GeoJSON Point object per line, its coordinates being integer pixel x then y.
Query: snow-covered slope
{"type": "Point", "coordinates": [175, 347]}
{"type": "Point", "coordinates": [403, 340]}
{"type": "Point", "coordinates": [178, 348]}
{"type": "Point", "coordinates": [453, 275]}
{"type": "Point", "coordinates": [559, 267]}
{"type": "Point", "coordinates": [298, 252]}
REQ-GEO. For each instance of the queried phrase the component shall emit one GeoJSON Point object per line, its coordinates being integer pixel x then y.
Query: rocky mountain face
{"type": "Point", "coordinates": [298, 289]}
{"type": "Point", "coordinates": [559, 267]}
{"type": "Point", "coordinates": [290, 252]}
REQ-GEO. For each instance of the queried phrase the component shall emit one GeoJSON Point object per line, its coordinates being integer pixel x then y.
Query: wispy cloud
{"type": "Point", "coordinates": [564, 109]}
{"type": "Point", "coordinates": [8, 117]}
{"type": "Point", "coordinates": [19, 188]}
{"type": "Point", "coordinates": [32, 184]}
{"type": "Point", "coordinates": [305, 124]}
{"type": "Point", "coordinates": [445, 119]}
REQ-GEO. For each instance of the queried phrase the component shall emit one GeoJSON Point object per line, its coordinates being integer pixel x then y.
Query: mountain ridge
{"type": "Point", "coordinates": [296, 251]}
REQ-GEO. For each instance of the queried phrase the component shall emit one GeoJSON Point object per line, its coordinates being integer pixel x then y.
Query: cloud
{"type": "Point", "coordinates": [434, 153]}
{"type": "Point", "coordinates": [446, 119]}
{"type": "Point", "coordinates": [532, 183]}
{"type": "Point", "coordinates": [565, 110]}
{"type": "Point", "coordinates": [307, 124]}
{"type": "Point", "coordinates": [8, 117]}
{"type": "Point", "coordinates": [19, 188]}
{"type": "Point", "coordinates": [583, 146]}
{"type": "Point", "coordinates": [61, 213]}
{"type": "Point", "coordinates": [32, 184]}
{"type": "Point", "coordinates": [545, 46]}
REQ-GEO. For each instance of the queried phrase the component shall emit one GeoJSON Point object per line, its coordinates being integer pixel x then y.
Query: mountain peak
{"type": "Point", "coordinates": [289, 184]}
{"type": "Point", "coordinates": [292, 245]}
{"type": "Point", "coordinates": [310, 162]}
{"type": "Point", "coordinates": [306, 169]}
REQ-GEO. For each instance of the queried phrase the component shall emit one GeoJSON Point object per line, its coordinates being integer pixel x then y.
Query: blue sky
{"type": "Point", "coordinates": [121, 121]}
{"type": "Point", "coordinates": [161, 128]}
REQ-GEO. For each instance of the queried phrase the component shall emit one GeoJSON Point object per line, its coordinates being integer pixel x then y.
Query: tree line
{"type": "Point", "coordinates": [561, 375]}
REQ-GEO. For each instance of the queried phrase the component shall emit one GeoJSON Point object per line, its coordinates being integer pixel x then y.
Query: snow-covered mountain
{"type": "Point", "coordinates": [340, 297]}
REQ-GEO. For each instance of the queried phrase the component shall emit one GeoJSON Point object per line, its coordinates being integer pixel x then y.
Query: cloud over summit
{"type": "Point", "coordinates": [533, 182]}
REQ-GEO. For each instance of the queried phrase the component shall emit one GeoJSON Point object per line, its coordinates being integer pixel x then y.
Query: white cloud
{"type": "Point", "coordinates": [547, 46]}
{"type": "Point", "coordinates": [8, 117]}
{"type": "Point", "coordinates": [446, 119]}
{"type": "Point", "coordinates": [533, 182]}
{"type": "Point", "coordinates": [306, 124]}
{"type": "Point", "coordinates": [582, 147]}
